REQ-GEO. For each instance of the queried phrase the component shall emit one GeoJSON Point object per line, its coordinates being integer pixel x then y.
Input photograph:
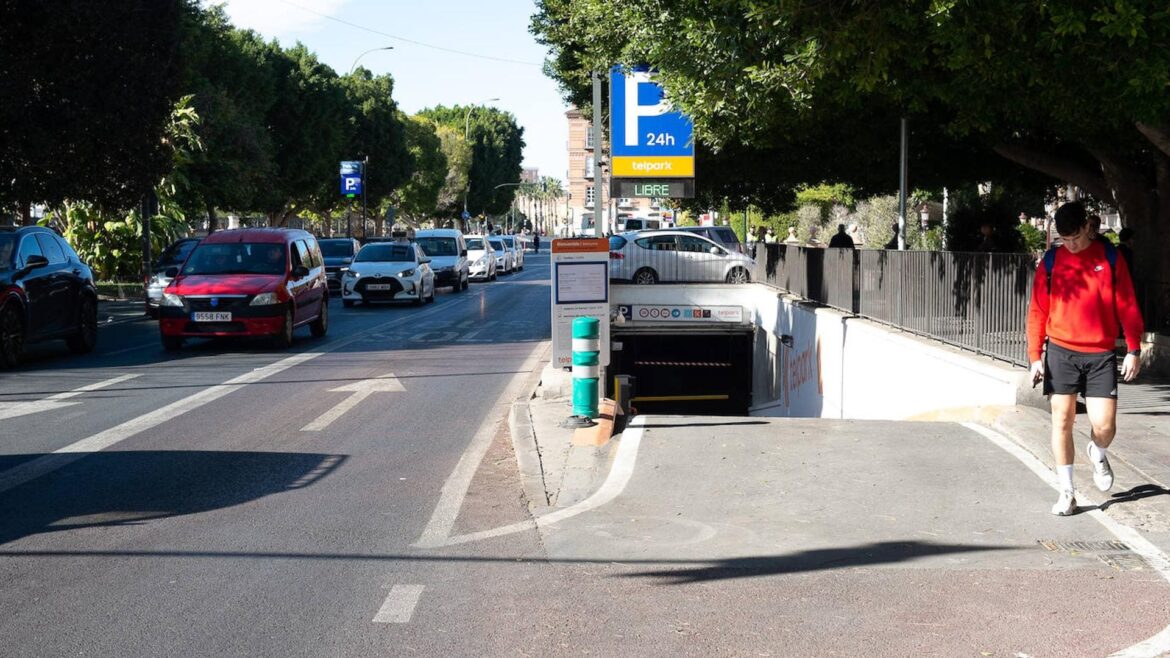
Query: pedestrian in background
{"type": "Point", "coordinates": [841, 240]}
{"type": "Point", "coordinates": [988, 243]}
{"type": "Point", "coordinates": [893, 243]}
{"type": "Point", "coordinates": [536, 241]}
{"type": "Point", "coordinates": [1076, 313]}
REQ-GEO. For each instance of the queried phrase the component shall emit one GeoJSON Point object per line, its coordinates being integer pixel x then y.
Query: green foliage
{"type": "Point", "coordinates": [419, 198]}
{"type": "Point", "coordinates": [497, 149]}
{"type": "Point", "coordinates": [112, 243]}
{"type": "Point", "coordinates": [378, 130]}
{"type": "Point", "coordinates": [972, 210]}
{"type": "Point", "coordinates": [1033, 238]}
{"type": "Point", "coordinates": [87, 88]}
{"type": "Point", "coordinates": [457, 153]}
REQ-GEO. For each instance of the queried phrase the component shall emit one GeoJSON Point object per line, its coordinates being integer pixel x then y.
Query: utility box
{"type": "Point", "coordinates": [624, 391]}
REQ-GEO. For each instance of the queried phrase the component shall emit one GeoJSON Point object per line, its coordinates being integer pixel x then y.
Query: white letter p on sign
{"type": "Point", "coordinates": [634, 111]}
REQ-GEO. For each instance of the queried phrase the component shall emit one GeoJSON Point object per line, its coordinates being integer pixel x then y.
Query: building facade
{"type": "Point", "coordinates": [583, 215]}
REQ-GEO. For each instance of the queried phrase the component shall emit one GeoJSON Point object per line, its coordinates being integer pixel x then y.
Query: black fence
{"type": "Point", "coordinates": [975, 301]}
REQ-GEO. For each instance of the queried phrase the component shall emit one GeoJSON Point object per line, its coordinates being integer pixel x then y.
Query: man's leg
{"type": "Point", "coordinates": [1103, 419]}
{"type": "Point", "coordinates": [1064, 412]}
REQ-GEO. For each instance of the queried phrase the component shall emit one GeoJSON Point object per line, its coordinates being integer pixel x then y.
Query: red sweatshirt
{"type": "Point", "coordinates": [1089, 305]}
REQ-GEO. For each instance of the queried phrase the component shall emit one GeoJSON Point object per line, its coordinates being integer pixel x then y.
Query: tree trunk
{"type": "Point", "coordinates": [212, 219]}
{"type": "Point", "coordinates": [26, 216]}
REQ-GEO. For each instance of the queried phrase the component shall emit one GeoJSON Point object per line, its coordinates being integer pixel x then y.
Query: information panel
{"type": "Point", "coordinates": [580, 288]}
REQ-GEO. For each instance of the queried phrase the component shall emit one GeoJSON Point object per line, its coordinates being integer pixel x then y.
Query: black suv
{"type": "Point", "coordinates": [46, 292]}
{"type": "Point", "coordinates": [338, 253]}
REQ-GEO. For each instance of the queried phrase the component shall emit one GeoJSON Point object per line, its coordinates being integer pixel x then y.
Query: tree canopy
{"type": "Point", "coordinates": [497, 150]}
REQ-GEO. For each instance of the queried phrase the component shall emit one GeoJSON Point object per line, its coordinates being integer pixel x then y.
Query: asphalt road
{"type": "Point", "coordinates": [220, 502]}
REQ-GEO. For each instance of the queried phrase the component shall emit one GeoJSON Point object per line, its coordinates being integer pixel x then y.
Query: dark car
{"type": "Point", "coordinates": [46, 292]}
{"type": "Point", "coordinates": [723, 235]}
{"type": "Point", "coordinates": [338, 253]}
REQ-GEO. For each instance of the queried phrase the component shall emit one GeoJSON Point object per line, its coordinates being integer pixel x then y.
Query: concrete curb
{"type": "Point", "coordinates": [527, 453]}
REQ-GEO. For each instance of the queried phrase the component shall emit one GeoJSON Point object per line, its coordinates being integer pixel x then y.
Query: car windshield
{"type": "Point", "coordinates": [7, 243]}
{"type": "Point", "coordinates": [177, 253]}
{"type": "Point", "coordinates": [439, 246]}
{"type": "Point", "coordinates": [497, 245]}
{"type": "Point", "coordinates": [238, 258]}
{"type": "Point", "coordinates": [475, 243]}
{"type": "Point", "coordinates": [336, 248]}
{"type": "Point", "coordinates": [385, 253]}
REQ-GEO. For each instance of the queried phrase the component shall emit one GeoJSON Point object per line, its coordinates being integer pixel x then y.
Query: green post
{"type": "Point", "coordinates": [586, 366]}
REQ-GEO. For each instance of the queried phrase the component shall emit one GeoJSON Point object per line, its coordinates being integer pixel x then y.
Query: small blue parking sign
{"type": "Point", "coordinates": [351, 177]}
{"type": "Point", "coordinates": [466, 215]}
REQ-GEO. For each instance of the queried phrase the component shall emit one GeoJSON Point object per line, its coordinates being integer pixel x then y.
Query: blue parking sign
{"type": "Point", "coordinates": [351, 184]}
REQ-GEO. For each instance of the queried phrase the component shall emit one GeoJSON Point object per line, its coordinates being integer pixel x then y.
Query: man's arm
{"type": "Point", "coordinates": [1038, 314]}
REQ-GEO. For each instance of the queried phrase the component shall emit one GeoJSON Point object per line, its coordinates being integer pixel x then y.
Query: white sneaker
{"type": "Point", "coordinates": [1102, 472]}
{"type": "Point", "coordinates": [1066, 504]}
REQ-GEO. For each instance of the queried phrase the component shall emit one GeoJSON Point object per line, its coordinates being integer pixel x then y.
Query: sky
{"type": "Point", "coordinates": [339, 31]}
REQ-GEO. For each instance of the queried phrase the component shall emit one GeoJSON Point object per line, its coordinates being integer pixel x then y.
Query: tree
{"type": "Point", "coordinates": [377, 131]}
{"type": "Point", "coordinates": [419, 198]}
{"type": "Point", "coordinates": [86, 90]}
{"type": "Point", "coordinates": [497, 150]}
{"type": "Point", "coordinates": [1074, 92]}
{"type": "Point", "coordinates": [457, 153]}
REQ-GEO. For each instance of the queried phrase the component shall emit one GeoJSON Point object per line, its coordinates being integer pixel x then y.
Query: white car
{"type": "Point", "coordinates": [505, 259]}
{"type": "Point", "coordinates": [448, 254]}
{"type": "Point", "coordinates": [389, 272]}
{"type": "Point", "coordinates": [481, 258]}
{"type": "Point", "coordinates": [516, 246]}
{"type": "Point", "coordinates": [673, 256]}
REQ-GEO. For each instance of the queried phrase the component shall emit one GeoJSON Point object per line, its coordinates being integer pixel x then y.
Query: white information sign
{"type": "Point", "coordinates": [580, 288]}
{"type": "Point", "coordinates": [636, 313]}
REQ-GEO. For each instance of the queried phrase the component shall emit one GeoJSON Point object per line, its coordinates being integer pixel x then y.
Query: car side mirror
{"type": "Point", "coordinates": [171, 272]}
{"type": "Point", "coordinates": [424, 260]}
{"type": "Point", "coordinates": [463, 252]}
{"type": "Point", "coordinates": [33, 263]}
{"type": "Point", "coordinates": [300, 272]}
{"type": "Point", "coordinates": [716, 251]}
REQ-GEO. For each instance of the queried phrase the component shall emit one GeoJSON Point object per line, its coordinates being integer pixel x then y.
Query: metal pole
{"type": "Point", "coordinates": [149, 208]}
{"type": "Point", "coordinates": [597, 154]}
{"type": "Point", "coordinates": [902, 171]}
{"type": "Point", "coordinates": [365, 166]}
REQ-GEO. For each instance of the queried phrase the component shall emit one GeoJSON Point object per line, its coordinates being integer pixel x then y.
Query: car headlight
{"type": "Point", "coordinates": [351, 274]}
{"type": "Point", "coordinates": [171, 299]}
{"type": "Point", "coordinates": [265, 299]}
{"type": "Point", "coordinates": [406, 273]}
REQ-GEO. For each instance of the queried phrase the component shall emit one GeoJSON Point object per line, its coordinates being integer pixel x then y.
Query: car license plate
{"type": "Point", "coordinates": [211, 317]}
{"type": "Point", "coordinates": [378, 286]}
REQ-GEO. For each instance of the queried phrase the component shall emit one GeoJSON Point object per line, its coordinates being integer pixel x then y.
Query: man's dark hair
{"type": "Point", "coordinates": [1126, 234]}
{"type": "Point", "coordinates": [1070, 218]}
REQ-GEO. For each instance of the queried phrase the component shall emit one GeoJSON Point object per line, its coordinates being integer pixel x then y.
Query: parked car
{"type": "Point", "coordinates": [389, 271]}
{"type": "Point", "coordinates": [723, 235]}
{"type": "Point", "coordinates": [448, 253]}
{"type": "Point", "coordinates": [642, 224]}
{"type": "Point", "coordinates": [247, 282]}
{"type": "Point", "coordinates": [516, 246]}
{"type": "Point", "coordinates": [481, 258]}
{"type": "Point", "coordinates": [46, 292]}
{"type": "Point", "coordinates": [173, 256]}
{"type": "Point", "coordinates": [670, 256]}
{"type": "Point", "coordinates": [338, 254]}
{"type": "Point", "coordinates": [505, 259]}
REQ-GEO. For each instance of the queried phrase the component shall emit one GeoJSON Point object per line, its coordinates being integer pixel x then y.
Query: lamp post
{"type": "Point", "coordinates": [372, 50]}
{"type": "Point", "coordinates": [466, 131]}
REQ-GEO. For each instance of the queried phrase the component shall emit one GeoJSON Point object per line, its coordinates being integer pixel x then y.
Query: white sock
{"type": "Point", "coordinates": [1064, 477]}
{"type": "Point", "coordinates": [1096, 452]}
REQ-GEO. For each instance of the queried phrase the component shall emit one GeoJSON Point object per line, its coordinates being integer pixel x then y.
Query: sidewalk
{"type": "Point", "coordinates": [120, 312]}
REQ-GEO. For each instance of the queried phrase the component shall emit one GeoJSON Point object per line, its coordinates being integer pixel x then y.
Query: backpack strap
{"type": "Point", "coordinates": [1049, 263]}
{"type": "Point", "coordinates": [1110, 255]}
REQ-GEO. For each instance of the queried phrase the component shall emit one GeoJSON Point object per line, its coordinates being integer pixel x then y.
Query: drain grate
{"type": "Point", "coordinates": [1112, 552]}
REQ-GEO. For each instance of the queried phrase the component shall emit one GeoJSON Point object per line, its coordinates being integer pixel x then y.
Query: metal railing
{"type": "Point", "coordinates": [975, 301]}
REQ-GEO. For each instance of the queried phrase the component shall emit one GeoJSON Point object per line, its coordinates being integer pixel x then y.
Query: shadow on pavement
{"type": "Point", "coordinates": [109, 489]}
{"type": "Point", "coordinates": [1136, 493]}
{"type": "Point", "coordinates": [816, 560]}
{"type": "Point", "coordinates": [656, 425]}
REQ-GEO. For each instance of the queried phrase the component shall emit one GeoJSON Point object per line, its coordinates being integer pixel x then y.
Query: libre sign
{"type": "Point", "coordinates": [649, 138]}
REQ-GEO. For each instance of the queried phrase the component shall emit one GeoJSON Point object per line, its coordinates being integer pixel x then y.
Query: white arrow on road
{"type": "Point", "coordinates": [387, 383]}
{"type": "Point", "coordinates": [14, 409]}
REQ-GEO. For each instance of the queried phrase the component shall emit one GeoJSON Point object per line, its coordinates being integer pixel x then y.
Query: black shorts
{"type": "Point", "coordinates": [1092, 374]}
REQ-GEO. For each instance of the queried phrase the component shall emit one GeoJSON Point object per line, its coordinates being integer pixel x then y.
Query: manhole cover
{"type": "Point", "coordinates": [1112, 552]}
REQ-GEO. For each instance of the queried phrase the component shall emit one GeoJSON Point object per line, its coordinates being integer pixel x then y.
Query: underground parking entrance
{"type": "Point", "coordinates": [676, 370]}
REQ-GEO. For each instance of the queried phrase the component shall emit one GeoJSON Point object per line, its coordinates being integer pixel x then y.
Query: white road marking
{"type": "Point", "coordinates": [1155, 646]}
{"type": "Point", "coordinates": [56, 401]}
{"type": "Point", "coordinates": [454, 490]}
{"type": "Point", "coordinates": [615, 483]}
{"type": "Point", "coordinates": [35, 468]}
{"type": "Point", "coordinates": [387, 383]}
{"type": "Point", "coordinates": [399, 605]}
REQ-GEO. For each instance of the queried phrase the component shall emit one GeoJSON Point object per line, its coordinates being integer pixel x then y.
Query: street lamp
{"type": "Point", "coordinates": [466, 131]}
{"type": "Point", "coordinates": [372, 50]}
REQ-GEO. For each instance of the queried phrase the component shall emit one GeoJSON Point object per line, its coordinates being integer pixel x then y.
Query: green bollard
{"type": "Point", "coordinates": [586, 366]}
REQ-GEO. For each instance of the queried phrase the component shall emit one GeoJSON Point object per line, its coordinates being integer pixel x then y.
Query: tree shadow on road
{"type": "Point", "coordinates": [890, 552]}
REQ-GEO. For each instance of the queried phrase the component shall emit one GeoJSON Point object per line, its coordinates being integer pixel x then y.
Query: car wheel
{"type": "Point", "coordinates": [321, 325]}
{"type": "Point", "coordinates": [348, 303]}
{"type": "Point", "coordinates": [284, 339]}
{"type": "Point", "coordinates": [172, 343]}
{"type": "Point", "coordinates": [645, 276]}
{"type": "Point", "coordinates": [738, 275]}
{"type": "Point", "coordinates": [11, 337]}
{"type": "Point", "coordinates": [466, 282]}
{"type": "Point", "coordinates": [85, 339]}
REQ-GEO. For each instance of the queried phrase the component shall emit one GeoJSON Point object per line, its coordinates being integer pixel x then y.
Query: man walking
{"type": "Point", "coordinates": [1082, 298]}
{"type": "Point", "coordinates": [841, 240]}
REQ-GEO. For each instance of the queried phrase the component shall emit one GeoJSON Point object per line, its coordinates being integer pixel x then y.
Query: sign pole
{"type": "Point", "coordinates": [365, 167]}
{"type": "Point", "coordinates": [597, 153]}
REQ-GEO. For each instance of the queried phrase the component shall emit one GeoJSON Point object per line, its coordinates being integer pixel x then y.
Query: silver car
{"type": "Point", "coordinates": [172, 257]}
{"type": "Point", "coordinates": [516, 247]}
{"type": "Point", "coordinates": [675, 256]}
{"type": "Point", "coordinates": [505, 258]}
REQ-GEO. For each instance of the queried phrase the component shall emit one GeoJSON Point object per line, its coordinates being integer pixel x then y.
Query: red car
{"type": "Point", "coordinates": [247, 282]}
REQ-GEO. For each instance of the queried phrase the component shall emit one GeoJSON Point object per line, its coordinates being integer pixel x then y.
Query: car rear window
{"type": "Point", "coordinates": [475, 243]}
{"type": "Point", "coordinates": [438, 246]}
{"type": "Point", "coordinates": [385, 253]}
{"type": "Point", "coordinates": [497, 245]}
{"type": "Point", "coordinates": [336, 248]}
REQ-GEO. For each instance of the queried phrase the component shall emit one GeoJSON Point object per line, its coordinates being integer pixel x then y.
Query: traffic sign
{"type": "Point", "coordinates": [653, 188]}
{"type": "Point", "coordinates": [649, 138]}
{"type": "Point", "coordinates": [466, 215]}
{"type": "Point", "coordinates": [351, 177]}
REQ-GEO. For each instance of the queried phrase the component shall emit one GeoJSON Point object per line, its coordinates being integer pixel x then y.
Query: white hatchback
{"type": "Point", "coordinates": [388, 272]}
{"type": "Point", "coordinates": [481, 258]}
{"type": "Point", "coordinates": [675, 256]}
